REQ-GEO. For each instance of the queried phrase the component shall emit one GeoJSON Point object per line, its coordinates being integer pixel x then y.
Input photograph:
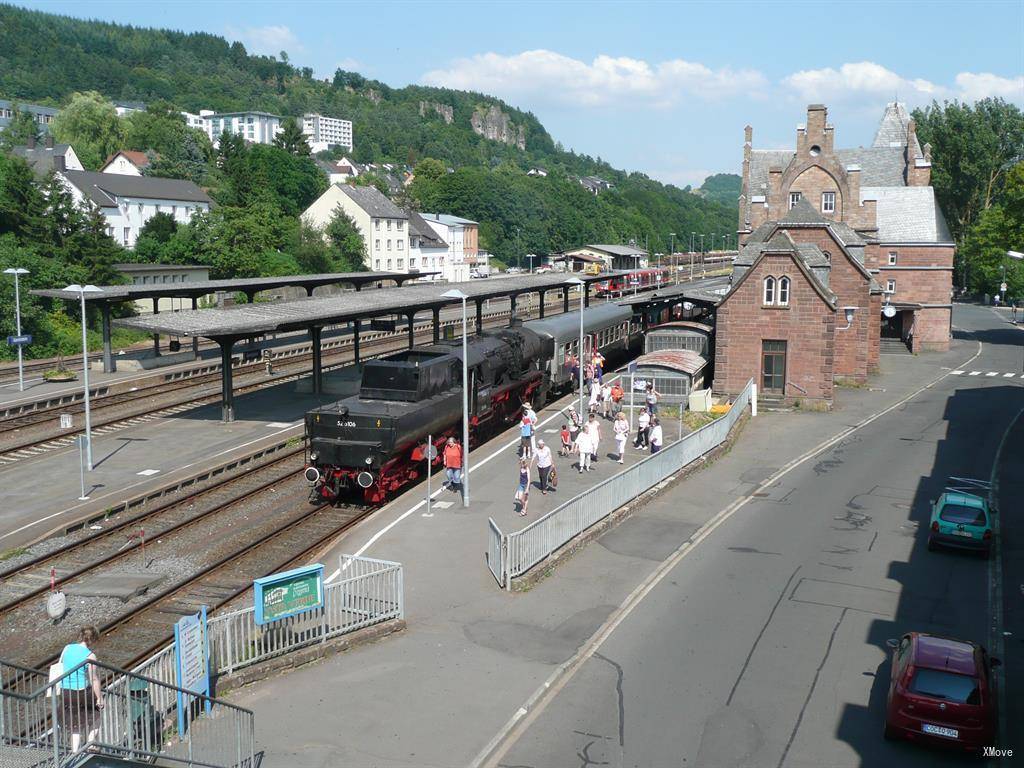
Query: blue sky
{"type": "Point", "coordinates": [664, 88]}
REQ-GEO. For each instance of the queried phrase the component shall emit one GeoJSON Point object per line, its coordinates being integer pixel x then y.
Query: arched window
{"type": "Point", "coordinates": [783, 291]}
{"type": "Point", "coordinates": [769, 290]}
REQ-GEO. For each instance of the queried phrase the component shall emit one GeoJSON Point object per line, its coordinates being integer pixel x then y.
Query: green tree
{"type": "Point", "coordinates": [90, 124]}
{"type": "Point", "coordinates": [23, 126]}
{"type": "Point", "coordinates": [998, 229]}
{"type": "Point", "coordinates": [348, 250]}
{"type": "Point", "coordinates": [291, 138]}
{"type": "Point", "coordinates": [160, 227]}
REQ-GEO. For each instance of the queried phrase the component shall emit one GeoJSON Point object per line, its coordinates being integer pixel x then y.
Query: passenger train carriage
{"type": "Point", "coordinates": [370, 446]}
{"type": "Point", "coordinates": [639, 280]}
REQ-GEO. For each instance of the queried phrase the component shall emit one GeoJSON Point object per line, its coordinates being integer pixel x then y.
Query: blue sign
{"type": "Point", "coordinates": [281, 595]}
{"type": "Point", "coordinates": [631, 367]}
{"type": "Point", "coordinates": [19, 341]}
{"type": "Point", "coordinates": [192, 661]}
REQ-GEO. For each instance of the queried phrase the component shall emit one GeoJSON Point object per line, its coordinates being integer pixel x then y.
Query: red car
{"type": "Point", "coordinates": [941, 692]}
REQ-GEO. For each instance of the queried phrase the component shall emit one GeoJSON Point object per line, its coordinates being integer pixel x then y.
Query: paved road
{"type": "Point", "coordinates": [765, 646]}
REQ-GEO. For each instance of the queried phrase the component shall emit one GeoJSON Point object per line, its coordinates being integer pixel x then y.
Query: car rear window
{"type": "Point", "coordinates": [948, 686]}
{"type": "Point", "coordinates": [958, 513]}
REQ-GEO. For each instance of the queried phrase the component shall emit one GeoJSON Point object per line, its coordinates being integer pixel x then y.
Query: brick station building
{"type": "Point", "coordinates": [856, 233]}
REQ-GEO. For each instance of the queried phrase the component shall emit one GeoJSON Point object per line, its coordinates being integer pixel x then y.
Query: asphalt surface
{"type": "Point", "coordinates": [766, 645]}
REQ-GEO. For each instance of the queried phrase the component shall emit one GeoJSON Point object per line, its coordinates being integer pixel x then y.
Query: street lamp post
{"type": "Point", "coordinates": [81, 290]}
{"type": "Point", "coordinates": [17, 271]}
{"type": "Point", "coordinates": [455, 293]}
{"type": "Point", "coordinates": [692, 235]}
{"type": "Point", "coordinates": [671, 247]}
{"type": "Point", "coordinates": [580, 284]}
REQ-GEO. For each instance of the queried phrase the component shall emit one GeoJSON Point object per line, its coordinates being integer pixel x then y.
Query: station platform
{"type": "Point", "coordinates": [472, 655]}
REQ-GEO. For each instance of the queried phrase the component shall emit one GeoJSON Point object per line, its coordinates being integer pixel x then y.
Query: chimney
{"type": "Point", "coordinates": [58, 163]}
{"type": "Point", "coordinates": [31, 143]}
{"type": "Point", "coordinates": [49, 141]}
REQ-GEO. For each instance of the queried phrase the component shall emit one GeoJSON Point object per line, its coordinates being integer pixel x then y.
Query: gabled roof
{"type": "Point", "coordinates": [894, 128]}
{"type": "Point", "coordinates": [40, 157]}
{"type": "Point", "coordinates": [682, 360]}
{"type": "Point", "coordinates": [419, 228]}
{"type": "Point", "coordinates": [780, 243]}
{"type": "Point", "coordinates": [616, 250]}
{"type": "Point", "coordinates": [372, 201]}
{"type": "Point", "coordinates": [908, 215]}
{"type": "Point", "coordinates": [104, 189]}
{"type": "Point", "coordinates": [803, 212]}
{"type": "Point", "coordinates": [136, 158]}
{"type": "Point", "coordinates": [449, 220]}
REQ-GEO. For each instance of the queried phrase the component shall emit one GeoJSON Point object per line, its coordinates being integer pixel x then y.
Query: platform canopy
{"type": "Point", "coordinates": [707, 292]}
{"type": "Point", "coordinates": [247, 285]}
{"type": "Point", "coordinates": [253, 319]}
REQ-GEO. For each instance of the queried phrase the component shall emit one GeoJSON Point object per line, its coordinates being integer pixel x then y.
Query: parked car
{"type": "Point", "coordinates": [513, 271]}
{"type": "Point", "coordinates": [476, 273]}
{"type": "Point", "coordinates": [962, 521]}
{"type": "Point", "coordinates": [940, 692]}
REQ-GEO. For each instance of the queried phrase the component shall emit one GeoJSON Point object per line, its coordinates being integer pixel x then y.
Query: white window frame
{"type": "Point", "coordinates": [389, 243]}
{"type": "Point", "coordinates": [768, 293]}
{"type": "Point", "coordinates": [376, 224]}
{"type": "Point", "coordinates": [893, 258]}
{"type": "Point", "coordinates": [783, 292]}
{"type": "Point", "coordinates": [828, 202]}
{"type": "Point", "coordinates": [794, 198]}
{"type": "Point", "coordinates": [401, 245]}
{"type": "Point", "coordinates": [376, 244]}
{"type": "Point", "coordinates": [389, 225]}
{"type": "Point", "coordinates": [890, 286]}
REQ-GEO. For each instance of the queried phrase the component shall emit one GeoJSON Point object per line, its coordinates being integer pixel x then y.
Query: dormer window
{"type": "Point", "coordinates": [794, 198]}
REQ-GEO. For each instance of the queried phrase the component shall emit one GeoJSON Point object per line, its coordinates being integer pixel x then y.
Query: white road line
{"type": "Point", "coordinates": [974, 373]}
{"type": "Point", "coordinates": [992, 373]}
{"type": "Point", "coordinates": [956, 373]}
{"type": "Point", "coordinates": [517, 725]}
{"type": "Point", "coordinates": [1009, 375]}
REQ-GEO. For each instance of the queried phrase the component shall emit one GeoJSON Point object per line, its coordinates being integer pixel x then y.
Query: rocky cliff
{"type": "Point", "coordinates": [446, 111]}
{"type": "Point", "coordinates": [493, 124]}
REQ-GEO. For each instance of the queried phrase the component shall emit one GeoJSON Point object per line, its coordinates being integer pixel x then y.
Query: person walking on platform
{"type": "Point", "coordinates": [544, 464]}
{"type": "Point", "coordinates": [598, 362]}
{"type": "Point", "coordinates": [532, 416]}
{"type": "Point", "coordinates": [651, 399]}
{"type": "Point", "coordinates": [525, 438]}
{"type": "Point", "coordinates": [621, 429]}
{"type": "Point", "coordinates": [575, 422]}
{"type": "Point", "coordinates": [81, 691]}
{"type": "Point", "coordinates": [566, 436]}
{"type": "Point", "coordinates": [643, 425]}
{"type": "Point", "coordinates": [595, 397]}
{"type": "Point", "coordinates": [606, 401]}
{"type": "Point", "coordinates": [618, 393]}
{"type": "Point", "coordinates": [656, 435]}
{"type": "Point", "coordinates": [452, 464]}
{"type": "Point", "coordinates": [594, 427]}
{"type": "Point", "coordinates": [588, 375]}
{"type": "Point", "coordinates": [522, 497]}
{"type": "Point", "coordinates": [584, 447]}
{"type": "Point", "coordinates": [574, 371]}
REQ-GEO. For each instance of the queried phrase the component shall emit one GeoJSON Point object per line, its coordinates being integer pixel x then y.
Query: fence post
{"type": "Point", "coordinates": [506, 560]}
{"type": "Point", "coordinates": [58, 727]}
{"type": "Point", "coordinates": [753, 399]}
{"type": "Point", "coordinates": [230, 647]}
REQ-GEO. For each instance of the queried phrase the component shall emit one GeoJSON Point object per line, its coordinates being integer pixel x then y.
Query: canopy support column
{"type": "Point", "coordinates": [249, 296]}
{"type": "Point", "coordinates": [355, 340]}
{"type": "Point", "coordinates": [565, 300]}
{"type": "Point", "coordinates": [479, 315]}
{"type": "Point", "coordinates": [195, 339]}
{"type": "Point", "coordinates": [156, 336]}
{"type": "Point", "coordinates": [586, 295]}
{"type": "Point", "coordinates": [411, 317]}
{"type": "Point", "coordinates": [310, 289]}
{"type": "Point", "coordinates": [511, 309]}
{"type": "Point", "coordinates": [108, 357]}
{"type": "Point", "coordinates": [314, 336]}
{"type": "Point", "coordinates": [226, 385]}
{"type": "Point", "coordinates": [437, 324]}
{"type": "Point", "coordinates": [541, 304]}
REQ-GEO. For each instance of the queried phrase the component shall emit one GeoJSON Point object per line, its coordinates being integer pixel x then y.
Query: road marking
{"type": "Point", "coordinates": [148, 472]}
{"type": "Point", "coordinates": [278, 424]}
{"type": "Point", "coordinates": [517, 725]}
{"type": "Point", "coordinates": [1009, 375]}
{"type": "Point", "coordinates": [956, 373]}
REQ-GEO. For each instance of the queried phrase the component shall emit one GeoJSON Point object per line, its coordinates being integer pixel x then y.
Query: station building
{"type": "Point", "coordinates": [856, 232]}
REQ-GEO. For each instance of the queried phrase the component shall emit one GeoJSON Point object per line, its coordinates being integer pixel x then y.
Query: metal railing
{"type": "Point", "coordinates": [133, 716]}
{"type": "Point", "coordinates": [512, 555]}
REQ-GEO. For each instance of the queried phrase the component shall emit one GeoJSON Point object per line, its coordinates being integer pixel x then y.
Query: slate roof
{"type": "Point", "coordinates": [40, 157]}
{"type": "Point", "coordinates": [894, 129]}
{"type": "Point", "coordinates": [419, 228]}
{"type": "Point", "coordinates": [908, 215]}
{"type": "Point", "coordinates": [448, 219]}
{"type": "Point", "coordinates": [682, 360]}
{"type": "Point", "coordinates": [815, 262]}
{"type": "Point", "coordinates": [104, 188]}
{"type": "Point", "coordinates": [372, 201]}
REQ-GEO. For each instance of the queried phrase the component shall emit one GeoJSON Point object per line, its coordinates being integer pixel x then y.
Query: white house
{"type": "Point", "coordinates": [427, 251]}
{"type": "Point", "coordinates": [452, 230]}
{"type": "Point", "coordinates": [325, 132]}
{"type": "Point", "coordinates": [128, 202]}
{"type": "Point", "coordinates": [382, 224]}
{"type": "Point", "coordinates": [127, 162]}
{"type": "Point", "coordinates": [254, 127]}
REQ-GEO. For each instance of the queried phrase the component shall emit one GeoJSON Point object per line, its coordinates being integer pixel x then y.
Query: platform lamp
{"type": "Point", "coordinates": [580, 284]}
{"type": "Point", "coordinates": [18, 271]}
{"type": "Point", "coordinates": [455, 293]}
{"type": "Point", "coordinates": [81, 290]}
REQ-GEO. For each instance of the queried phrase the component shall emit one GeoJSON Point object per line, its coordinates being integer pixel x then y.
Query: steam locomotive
{"type": "Point", "coordinates": [369, 446]}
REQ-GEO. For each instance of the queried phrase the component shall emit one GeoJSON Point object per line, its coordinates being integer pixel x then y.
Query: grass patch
{"type": "Point", "coordinates": [694, 420]}
{"type": "Point", "coordinates": [291, 442]}
{"type": "Point", "coordinates": [847, 383]}
{"type": "Point", "coordinates": [11, 553]}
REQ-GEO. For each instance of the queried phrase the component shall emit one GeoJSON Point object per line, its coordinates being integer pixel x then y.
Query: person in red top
{"type": "Point", "coordinates": [452, 464]}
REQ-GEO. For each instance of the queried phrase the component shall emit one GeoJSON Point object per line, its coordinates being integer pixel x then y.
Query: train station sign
{"type": "Point", "coordinates": [285, 594]}
{"type": "Point", "coordinates": [20, 341]}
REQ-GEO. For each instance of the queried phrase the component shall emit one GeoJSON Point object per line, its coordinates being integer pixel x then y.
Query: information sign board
{"type": "Point", "coordinates": [288, 593]}
{"type": "Point", "coordinates": [639, 385]}
{"type": "Point", "coordinates": [19, 341]}
{"type": "Point", "coordinates": [66, 421]}
{"type": "Point", "coordinates": [192, 659]}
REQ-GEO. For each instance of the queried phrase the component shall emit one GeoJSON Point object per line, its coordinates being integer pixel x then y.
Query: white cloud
{"type": "Point", "coordinates": [269, 40]}
{"type": "Point", "coordinates": [977, 86]}
{"type": "Point", "coordinates": [559, 79]}
{"type": "Point", "coordinates": [867, 80]}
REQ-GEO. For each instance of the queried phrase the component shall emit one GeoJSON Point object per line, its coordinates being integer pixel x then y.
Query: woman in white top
{"type": "Point", "coordinates": [643, 423]}
{"type": "Point", "coordinates": [606, 400]}
{"type": "Point", "coordinates": [595, 395]}
{"type": "Point", "coordinates": [594, 427]}
{"type": "Point", "coordinates": [621, 429]}
{"type": "Point", "coordinates": [584, 446]}
{"type": "Point", "coordinates": [656, 436]}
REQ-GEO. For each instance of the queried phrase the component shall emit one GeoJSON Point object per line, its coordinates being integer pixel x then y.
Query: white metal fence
{"type": "Point", "coordinates": [512, 555]}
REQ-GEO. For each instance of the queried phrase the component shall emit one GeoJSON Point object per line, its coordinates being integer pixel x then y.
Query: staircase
{"type": "Point", "coordinates": [893, 347]}
{"type": "Point", "coordinates": [774, 403]}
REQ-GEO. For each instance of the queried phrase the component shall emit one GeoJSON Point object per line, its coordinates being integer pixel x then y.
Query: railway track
{"type": "Point", "coordinates": [224, 542]}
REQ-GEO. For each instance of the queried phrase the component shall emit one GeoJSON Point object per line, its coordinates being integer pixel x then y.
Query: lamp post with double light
{"type": "Point", "coordinates": [455, 293]}
{"type": "Point", "coordinates": [81, 290]}
{"type": "Point", "coordinates": [17, 272]}
{"type": "Point", "coordinates": [580, 284]}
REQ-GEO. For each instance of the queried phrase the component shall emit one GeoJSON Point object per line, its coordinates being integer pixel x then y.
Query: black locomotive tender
{"type": "Point", "coordinates": [369, 446]}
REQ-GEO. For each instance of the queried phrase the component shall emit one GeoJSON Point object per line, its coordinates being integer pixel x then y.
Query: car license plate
{"type": "Point", "coordinates": [966, 534]}
{"type": "Point", "coordinates": [938, 730]}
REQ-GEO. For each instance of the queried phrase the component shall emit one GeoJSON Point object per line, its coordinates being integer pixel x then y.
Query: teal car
{"type": "Point", "coordinates": [961, 521]}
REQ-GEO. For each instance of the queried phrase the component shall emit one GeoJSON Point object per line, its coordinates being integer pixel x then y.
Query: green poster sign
{"type": "Point", "coordinates": [286, 594]}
